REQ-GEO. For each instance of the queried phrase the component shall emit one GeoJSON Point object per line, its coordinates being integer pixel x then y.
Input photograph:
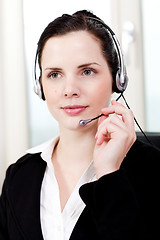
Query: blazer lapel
{"type": "Point", "coordinates": [24, 197]}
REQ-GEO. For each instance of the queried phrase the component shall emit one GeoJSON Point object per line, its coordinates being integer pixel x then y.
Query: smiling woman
{"type": "Point", "coordinates": [71, 83]}
{"type": "Point", "coordinates": [91, 182]}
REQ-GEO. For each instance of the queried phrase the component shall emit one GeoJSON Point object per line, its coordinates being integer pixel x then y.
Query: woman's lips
{"type": "Point", "coordinates": [74, 109]}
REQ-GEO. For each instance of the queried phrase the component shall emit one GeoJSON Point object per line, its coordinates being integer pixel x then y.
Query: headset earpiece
{"type": "Point", "coordinates": [38, 89]}
{"type": "Point", "coordinates": [120, 82]}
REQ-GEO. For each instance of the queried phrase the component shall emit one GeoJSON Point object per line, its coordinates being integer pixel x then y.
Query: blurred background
{"type": "Point", "coordinates": [24, 118]}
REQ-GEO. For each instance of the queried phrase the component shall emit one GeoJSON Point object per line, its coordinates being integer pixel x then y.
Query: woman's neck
{"type": "Point", "coordinates": [71, 157]}
{"type": "Point", "coordinates": [76, 147]}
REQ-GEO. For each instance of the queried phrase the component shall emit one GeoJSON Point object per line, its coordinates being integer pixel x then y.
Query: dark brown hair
{"type": "Point", "coordinates": [81, 20]}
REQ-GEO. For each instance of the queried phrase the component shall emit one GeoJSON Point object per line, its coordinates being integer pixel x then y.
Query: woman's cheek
{"type": "Point", "coordinates": [103, 95]}
{"type": "Point", "coordinates": [50, 93]}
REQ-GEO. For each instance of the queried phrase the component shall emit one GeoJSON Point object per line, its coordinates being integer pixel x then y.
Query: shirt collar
{"type": "Point", "coordinates": [46, 149]}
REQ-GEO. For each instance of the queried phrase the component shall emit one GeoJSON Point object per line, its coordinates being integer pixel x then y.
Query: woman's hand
{"type": "Point", "coordinates": [115, 136]}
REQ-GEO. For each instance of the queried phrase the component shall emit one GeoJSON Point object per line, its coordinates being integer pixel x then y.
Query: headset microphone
{"type": "Point", "coordinates": [82, 123]}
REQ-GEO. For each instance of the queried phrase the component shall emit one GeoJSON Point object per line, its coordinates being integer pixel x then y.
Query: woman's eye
{"type": "Point", "coordinates": [54, 75]}
{"type": "Point", "coordinates": [88, 72]}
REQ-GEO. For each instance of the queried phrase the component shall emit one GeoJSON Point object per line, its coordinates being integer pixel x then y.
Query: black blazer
{"type": "Point", "coordinates": [122, 205]}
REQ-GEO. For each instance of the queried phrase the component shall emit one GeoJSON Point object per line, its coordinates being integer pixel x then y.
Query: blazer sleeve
{"type": "Point", "coordinates": [3, 213]}
{"type": "Point", "coordinates": [113, 205]}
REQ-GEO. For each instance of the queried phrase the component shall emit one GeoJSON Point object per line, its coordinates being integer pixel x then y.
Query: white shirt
{"type": "Point", "coordinates": [54, 223]}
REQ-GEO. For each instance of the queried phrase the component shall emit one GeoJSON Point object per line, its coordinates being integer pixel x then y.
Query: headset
{"type": "Point", "coordinates": [37, 86]}
{"type": "Point", "coordinates": [119, 83]}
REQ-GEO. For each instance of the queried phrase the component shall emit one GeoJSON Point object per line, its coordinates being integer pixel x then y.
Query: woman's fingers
{"type": "Point", "coordinates": [111, 125]}
{"type": "Point", "coordinates": [116, 122]}
{"type": "Point", "coordinates": [119, 109]}
{"type": "Point", "coordinates": [115, 135]}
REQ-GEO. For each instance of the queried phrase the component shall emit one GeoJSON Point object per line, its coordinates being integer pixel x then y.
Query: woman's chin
{"type": "Point", "coordinates": [70, 124]}
{"type": "Point", "coordinates": [74, 125]}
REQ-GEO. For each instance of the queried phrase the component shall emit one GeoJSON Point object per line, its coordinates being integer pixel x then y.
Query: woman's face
{"type": "Point", "coordinates": [76, 79]}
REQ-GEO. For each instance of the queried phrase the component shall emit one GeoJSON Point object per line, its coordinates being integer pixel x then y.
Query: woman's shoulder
{"type": "Point", "coordinates": [24, 164]}
{"type": "Point", "coordinates": [142, 157]}
{"type": "Point", "coordinates": [33, 159]}
{"type": "Point", "coordinates": [143, 149]}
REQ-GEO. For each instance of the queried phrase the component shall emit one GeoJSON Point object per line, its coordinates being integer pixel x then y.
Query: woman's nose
{"type": "Point", "coordinates": [71, 89]}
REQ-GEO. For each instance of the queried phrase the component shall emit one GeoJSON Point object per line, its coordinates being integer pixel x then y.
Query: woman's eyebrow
{"type": "Point", "coordinates": [88, 64]}
{"type": "Point", "coordinates": [53, 69]}
{"type": "Point", "coordinates": [80, 66]}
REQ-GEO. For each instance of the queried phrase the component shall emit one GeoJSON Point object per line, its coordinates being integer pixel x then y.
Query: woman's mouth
{"type": "Point", "coordinates": [74, 109]}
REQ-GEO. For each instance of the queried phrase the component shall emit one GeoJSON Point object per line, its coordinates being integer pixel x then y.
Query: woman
{"type": "Point", "coordinates": [92, 182]}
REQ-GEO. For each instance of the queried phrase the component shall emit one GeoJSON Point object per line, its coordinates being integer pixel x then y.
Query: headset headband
{"type": "Point", "coordinates": [121, 78]}
{"type": "Point", "coordinates": [119, 84]}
